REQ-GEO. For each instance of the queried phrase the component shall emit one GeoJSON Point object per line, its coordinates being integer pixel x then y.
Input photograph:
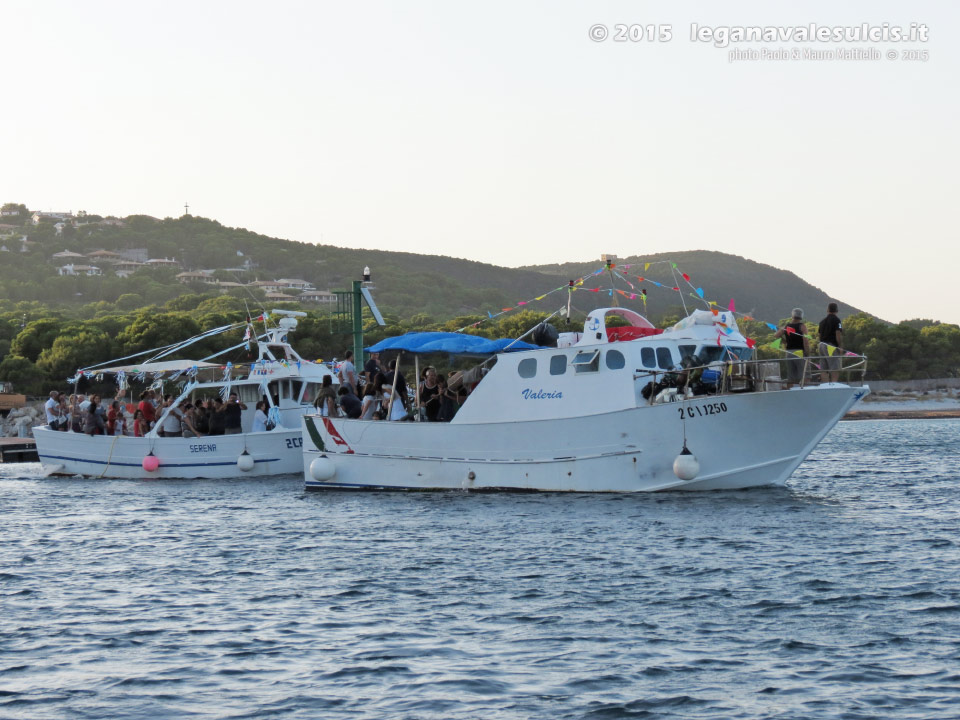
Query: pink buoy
{"type": "Point", "coordinates": [151, 462]}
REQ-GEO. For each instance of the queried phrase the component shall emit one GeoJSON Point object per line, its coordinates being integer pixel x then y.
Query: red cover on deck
{"type": "Point", "coordinates": [630, 333]}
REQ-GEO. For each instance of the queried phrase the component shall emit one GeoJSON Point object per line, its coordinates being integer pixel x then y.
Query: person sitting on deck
{"type": "Point", "coordinates": [52, 409]}
{"type": "Point", "coordinates": [371, 399]}
{"type": "Point", "coordinates": [350, 404]}
{"type": "Point", "coordinates": [326, 401]}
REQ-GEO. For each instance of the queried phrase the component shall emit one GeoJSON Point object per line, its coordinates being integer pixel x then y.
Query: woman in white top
{"type": "Point", "coordinates": [260, 417]}
{"type": "Point", "coordinates": [397, 411]}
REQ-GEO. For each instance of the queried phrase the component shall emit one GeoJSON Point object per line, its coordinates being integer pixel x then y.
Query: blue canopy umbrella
{"type": "Point", "coordinates": [449, 342]}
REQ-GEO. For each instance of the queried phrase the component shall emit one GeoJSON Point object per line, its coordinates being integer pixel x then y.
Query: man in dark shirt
{"type": "Point", "coordinates": [232, 415]}
{"type": "Point", "coordinates": [216, 418]}
{"type": "Point", "coordinates": [349, 403]}
{"type": "Point", "coordinates": [831, 344]}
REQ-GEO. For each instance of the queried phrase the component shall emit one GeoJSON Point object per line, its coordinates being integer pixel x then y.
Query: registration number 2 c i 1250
{"type": "Point", "coordinates": [694, 411]}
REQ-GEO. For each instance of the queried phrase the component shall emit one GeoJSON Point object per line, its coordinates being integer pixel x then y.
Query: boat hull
{"type": "Point", "coordinates": [67, 453]}
{"type": "Point", "coordinates": [740, 440]}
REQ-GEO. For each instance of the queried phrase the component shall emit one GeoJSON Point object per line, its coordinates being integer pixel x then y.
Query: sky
{"type": "Point", "coordinates": [502, 132]}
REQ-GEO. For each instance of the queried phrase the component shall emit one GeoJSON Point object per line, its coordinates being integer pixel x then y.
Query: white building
{"type": "Point", "coordinates": [88, 270]}
{"type": "Point", "coordinates": [323, 297]}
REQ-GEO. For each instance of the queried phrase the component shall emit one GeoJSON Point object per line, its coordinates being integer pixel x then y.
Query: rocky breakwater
{"type": "Point", "coordinates": [20, 422]}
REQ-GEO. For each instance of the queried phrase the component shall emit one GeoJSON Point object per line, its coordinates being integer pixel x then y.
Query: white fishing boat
{"type": "Point", "coordinates": [611, 409]}
{"type": "Point", "coordinates": [288, 383]}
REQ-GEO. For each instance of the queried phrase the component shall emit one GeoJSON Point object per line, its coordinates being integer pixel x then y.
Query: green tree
{"type": "Point", "coordinates": [70, 352]}
{"type": "Point", "coordinates": [37, 335]}
{"type": "Point", "coordinates": [129, 301]}
{"type": "Point", "coordinates": [154, 330]}
{"type": "Point", "coordinates": [19, 219]}
{"type": "Point", "coordinates": [24, 375]}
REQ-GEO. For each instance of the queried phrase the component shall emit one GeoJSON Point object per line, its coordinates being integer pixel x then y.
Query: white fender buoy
{"type": "Point", "coordinates": [151, 462]}
{"type": "Point", "coordinates": [686, 466]}
{"type": "Point", "coordinates": [245, 461]}
{"type": "Point", "coordinates": [322, 468]}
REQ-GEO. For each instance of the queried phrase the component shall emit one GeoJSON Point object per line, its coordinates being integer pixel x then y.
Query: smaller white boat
{"type": "Point", "coordinates": [287, 382]}
{"type": "Point", "coordinates": [611, 409]}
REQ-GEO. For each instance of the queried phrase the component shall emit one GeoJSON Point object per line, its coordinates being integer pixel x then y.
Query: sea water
{"type": "Point", "coordinates": [835, 597]}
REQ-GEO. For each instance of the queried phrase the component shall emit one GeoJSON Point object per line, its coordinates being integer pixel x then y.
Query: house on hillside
{"type": "Point", "coordinates": [7, 229]}
{"type": "Point", "coordinates": [9, 213]}
{"type": "Point", "coordinates": [292, 284]}
{"type": "Point", "coordinates": [267, 286]}
{"type": "Point", "coordinates": [71, 269]}
{"type": "Point", "coordinates": [114, 222]}
{"type": "Point", "coordinates": [280, 297]}
{"type": "Point", "coordinates": [54, 217]}
{"type": "Point", "coordinates": [225, 285]}
{"type": "Point", "coordinates": [323, 297]}
{"type": "Point", "coordinates": [162, 262]}
{"type": "Point", "coordinates": [195, 276]}
{"type": "Point", "coordinates": [126, 268]}
{"type": "Point", "coordinates": [68, 255]}
{"type": "Point", "coordinates": [104, 256]}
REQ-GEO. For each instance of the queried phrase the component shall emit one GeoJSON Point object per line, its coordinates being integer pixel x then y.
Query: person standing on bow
{"type": "Point", "coordinates": [831, 336]}
{"type": "Point", "coordinates": [795, 332]}
{"type": "Point", "coordinates": [347, 373]}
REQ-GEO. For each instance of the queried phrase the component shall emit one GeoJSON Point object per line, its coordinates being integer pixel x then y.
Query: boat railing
{"type": "Point", "coordinates": [739, 376]}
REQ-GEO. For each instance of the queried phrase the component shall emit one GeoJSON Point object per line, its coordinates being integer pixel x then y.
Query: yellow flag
{"type": "Point", "coordinates": [831, 350]}
{"type": "Point", "coordinates": [646, 266]}
{"type": "Point", "coordinates": [798, 353]}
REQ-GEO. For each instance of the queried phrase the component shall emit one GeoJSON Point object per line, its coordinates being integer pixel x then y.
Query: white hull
{"type": "Point", "coordinates": [740, 441]}
{"type": "Point", "coordinates": [67, 453]}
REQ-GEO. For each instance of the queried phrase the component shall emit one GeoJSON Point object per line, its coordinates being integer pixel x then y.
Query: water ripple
{"type": "Point", "coordinates": [837, 597]}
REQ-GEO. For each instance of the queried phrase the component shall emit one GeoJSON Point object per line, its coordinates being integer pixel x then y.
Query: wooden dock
{"type": "Point", "coordinates": [17, 450]}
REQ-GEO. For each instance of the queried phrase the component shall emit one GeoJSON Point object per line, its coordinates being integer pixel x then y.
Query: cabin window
{"type": "Point", "coordinates": [527, 368]}
{"type": "Point", "coordinates": [248, 393]}
{"type": "Point", "coordinates": [586, 361]}
{"type": "Point", "coordinates": [687, 351]}
{"type": "Point", "coordinates": [710, 353]}
{"type": "Point", "coordinates": [313, 389]}
{"type": "Point", "coordinates": [297, 388]}
{"type": "Point", "coordinates": [743, 354]}
{"type": "Point", "coordinates": [664, 358]}
{"type": "Point", "coordinates": [558, 364]}
{"type": "Point", "coordinates": [647, 357]}
{"type": "Point", "coordinates": [615, 360]}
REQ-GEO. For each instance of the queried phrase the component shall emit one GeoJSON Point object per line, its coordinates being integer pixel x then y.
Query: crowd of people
{"type": "Point", "coordinates": [80, 414]}
{"type": "Point", "coordinates": [382, 393]}
{"type": "Point", "coordinates": [376, 393]}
